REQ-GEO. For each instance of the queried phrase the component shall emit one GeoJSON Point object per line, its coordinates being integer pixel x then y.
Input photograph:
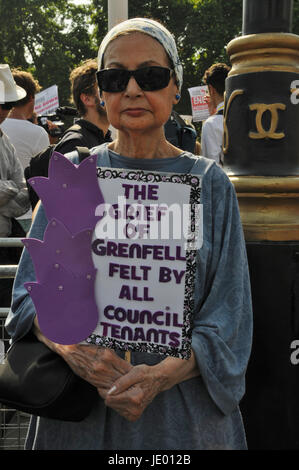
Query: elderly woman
{"type": "Point", "coordinates": [156, 402]}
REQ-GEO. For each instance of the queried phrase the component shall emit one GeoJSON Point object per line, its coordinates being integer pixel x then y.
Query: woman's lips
{"type": "Point", "coordinates": [135, 112]}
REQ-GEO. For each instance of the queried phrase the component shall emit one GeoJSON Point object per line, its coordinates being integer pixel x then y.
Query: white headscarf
{"type": "Point", "coordinates": [152, 28]}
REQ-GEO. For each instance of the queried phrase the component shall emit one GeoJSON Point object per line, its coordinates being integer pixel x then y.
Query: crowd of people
{"type": "Point", "coordinates": [155, 402]}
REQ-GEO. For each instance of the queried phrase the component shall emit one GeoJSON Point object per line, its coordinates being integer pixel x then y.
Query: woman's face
{"type": "Point", "coordinates": [134, 109]}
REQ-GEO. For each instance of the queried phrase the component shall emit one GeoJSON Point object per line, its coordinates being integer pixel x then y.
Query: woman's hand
{"type": "Point", "coordinates": [125, 388]}
{"type": "Point", "coordinates": [134, 391]}
{"type": "Point", "coordinates": [99, 366]}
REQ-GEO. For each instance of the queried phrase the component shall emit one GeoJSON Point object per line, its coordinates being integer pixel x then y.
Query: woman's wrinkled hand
{"type": "Point", "coordinates": [97, 365]}
{"type": "Point", "coordinates": [125, 388]}
{"type": "Point", "coordinates": [134, 391]}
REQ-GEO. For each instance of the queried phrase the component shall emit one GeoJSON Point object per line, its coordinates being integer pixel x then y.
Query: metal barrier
{"type": "Point", "coordinates": [13, 423]}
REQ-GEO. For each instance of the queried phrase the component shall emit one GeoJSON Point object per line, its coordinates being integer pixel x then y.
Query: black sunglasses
{"type": "Point", "coordinates": [7, 106]}
{"type": "Point", "coordinates": [148, 78]}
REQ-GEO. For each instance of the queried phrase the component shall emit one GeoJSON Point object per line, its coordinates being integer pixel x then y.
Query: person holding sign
{"type": "Point", "coordinates": [162, 398]}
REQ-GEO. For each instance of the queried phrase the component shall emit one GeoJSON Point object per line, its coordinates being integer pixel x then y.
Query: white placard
{"type": "Point", "coordinates": [200, 109]}
{"type": "Point", "coordinates": [47, 101]}
{"type": "Point", "coordinates": [144, 249]}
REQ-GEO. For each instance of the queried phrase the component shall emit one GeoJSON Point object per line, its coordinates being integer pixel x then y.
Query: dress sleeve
{"type": "Point", "coordinates": [22, 312]}
{"type": "Point", "coordinates": [222, 329]}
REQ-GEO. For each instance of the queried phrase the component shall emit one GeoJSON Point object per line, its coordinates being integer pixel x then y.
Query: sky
{"type": "Point", "coordinates": [81, 2]}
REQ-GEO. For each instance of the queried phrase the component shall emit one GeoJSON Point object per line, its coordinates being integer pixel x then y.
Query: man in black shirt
{"type": "Point", "coordinates": [92, 127]}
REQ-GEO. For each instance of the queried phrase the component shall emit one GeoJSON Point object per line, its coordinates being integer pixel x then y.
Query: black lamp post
{"type": "Point", "coordinates": [261, 157]}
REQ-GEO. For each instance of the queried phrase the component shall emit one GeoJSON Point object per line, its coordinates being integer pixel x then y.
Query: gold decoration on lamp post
{"type": "Point", "coordinates": [267, 179]}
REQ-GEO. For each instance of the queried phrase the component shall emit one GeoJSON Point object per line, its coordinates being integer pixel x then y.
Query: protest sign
{"type": "Point", "coordinates": [200, 110]}
{"type": "Point", "coordinates": [144, 251]}
{"type": "Point", "coordinates": [46, 102]}
{"type": "Point", "coordinates": [118, 257]}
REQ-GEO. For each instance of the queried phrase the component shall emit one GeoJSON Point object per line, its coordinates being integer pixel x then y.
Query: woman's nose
{"type": "Point", "coordinates": [133, 89]}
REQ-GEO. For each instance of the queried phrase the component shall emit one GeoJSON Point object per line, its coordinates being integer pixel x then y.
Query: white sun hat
{"type": "Point", "coordinates": [9, 90]}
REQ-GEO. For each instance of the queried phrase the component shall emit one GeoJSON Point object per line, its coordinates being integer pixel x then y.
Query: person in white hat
{"type": "Point", "coordinates": [14, 199]}
{"type": "Point", "coordinates": [27, 138]}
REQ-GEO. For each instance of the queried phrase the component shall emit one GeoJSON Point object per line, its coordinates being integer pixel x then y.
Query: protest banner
{"type": "Point", "coordinates": [200, 109]}
{"type": "Point", "coordinates": [144, 250]}
{"type": "Point", "coordinates": [47, 101]}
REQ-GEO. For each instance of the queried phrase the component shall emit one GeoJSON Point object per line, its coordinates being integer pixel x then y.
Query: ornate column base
{"type": "Point", "coordinates": [269, 207]}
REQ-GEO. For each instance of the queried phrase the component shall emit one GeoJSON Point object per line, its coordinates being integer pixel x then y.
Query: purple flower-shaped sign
{"type": "Point", "coordinates": [71, 192]}
{"type": "Point", "coordinates": [60, 248]}
{"type": "Point", "coordinates": [64, 295]}
{"type": "Point", "coordinates": [65, 305]}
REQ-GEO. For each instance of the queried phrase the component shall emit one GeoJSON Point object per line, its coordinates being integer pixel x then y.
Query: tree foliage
{"type": "Point", "coordinates": [47, 38]}
{"type": "Point", "coordinates": [51, 38]}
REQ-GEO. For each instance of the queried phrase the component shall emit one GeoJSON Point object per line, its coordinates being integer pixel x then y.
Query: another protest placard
{"type": "Point", "coordinates": [200, 109]}
{"type": "Point", "coordinates": [46, 102]}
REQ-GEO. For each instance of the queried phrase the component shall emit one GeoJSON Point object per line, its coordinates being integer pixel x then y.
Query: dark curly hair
{"type": "Point", "coordinates": [83, 80]}
{"type": "Point", "coordinates": [216, 75]}
{"type": "Point", "coordinates": [28, 82]}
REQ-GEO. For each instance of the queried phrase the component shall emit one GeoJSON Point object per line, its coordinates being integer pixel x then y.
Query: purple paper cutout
{"type": "Point", "coordinates": [60, 247]}
{"type": "Point", "coordinates": [63, 293]}
{"type": "Point", "coordinates": [65, 305]}
{"type": "Point", "coordinates": [71, 192]}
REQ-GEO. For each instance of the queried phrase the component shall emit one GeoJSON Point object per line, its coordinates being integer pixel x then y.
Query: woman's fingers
{"type": "Point", "coordinates": [99, 366]}
{"type": "Point", "coordinates": [133, 392]}
{"type": "Point", "coordinates": [134, 376]}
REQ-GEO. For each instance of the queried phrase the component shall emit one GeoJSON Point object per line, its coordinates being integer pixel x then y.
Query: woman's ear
{"type": "Point", "coordinates": [177, 96]}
